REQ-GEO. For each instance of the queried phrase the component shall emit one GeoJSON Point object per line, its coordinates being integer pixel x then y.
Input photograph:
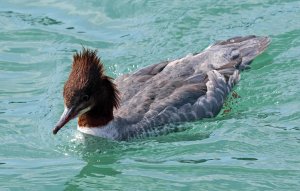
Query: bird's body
{"type": "Point", "coordinates": [187, 89]}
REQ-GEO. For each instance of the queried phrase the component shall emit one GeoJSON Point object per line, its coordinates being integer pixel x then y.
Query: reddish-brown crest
{"type": "Point", "coordinates": [86, 75]}
{"type": "Point", "coordinates": [87, 78]}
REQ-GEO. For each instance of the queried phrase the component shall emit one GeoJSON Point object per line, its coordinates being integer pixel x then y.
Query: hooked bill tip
{"type": "Point", "coordinates": [55, 130]}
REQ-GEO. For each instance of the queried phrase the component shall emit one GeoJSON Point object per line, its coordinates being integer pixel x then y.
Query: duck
{"type": "Point", "coordinates": [155, 99]}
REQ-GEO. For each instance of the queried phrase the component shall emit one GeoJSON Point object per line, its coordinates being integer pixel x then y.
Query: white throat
{"type": "Point", "coordinates": [108, 131]}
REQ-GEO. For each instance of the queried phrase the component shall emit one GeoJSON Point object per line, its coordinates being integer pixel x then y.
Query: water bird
{"type": "Point", "coordinates": [147, 101]}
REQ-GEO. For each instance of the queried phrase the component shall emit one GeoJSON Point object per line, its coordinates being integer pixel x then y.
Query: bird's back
{"type": "Point", "coordinates": [190, 88]}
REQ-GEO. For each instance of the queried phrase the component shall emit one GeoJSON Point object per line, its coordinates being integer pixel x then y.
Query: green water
{"type": "Point", "coordinates": [256, 146]}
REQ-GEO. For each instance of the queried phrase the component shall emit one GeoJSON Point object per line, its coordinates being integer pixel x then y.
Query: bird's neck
{"type": "Point", "coordinates": [102, 112]}
{"type": "Point", "coordinates": [96, 117]}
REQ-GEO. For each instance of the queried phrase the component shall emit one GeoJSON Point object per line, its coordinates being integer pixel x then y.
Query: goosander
{"type": "Point", "coordinates": [145, 102]}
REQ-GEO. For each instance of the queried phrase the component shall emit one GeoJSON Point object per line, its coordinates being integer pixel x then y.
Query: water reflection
{"type": "Point", "coordinates": [103, 157]}
{"type": "Point", "coordinates": [100, 155]}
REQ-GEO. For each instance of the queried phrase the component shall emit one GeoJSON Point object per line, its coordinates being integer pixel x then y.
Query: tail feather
{"type": "Point", "coordinates": [244, 48]}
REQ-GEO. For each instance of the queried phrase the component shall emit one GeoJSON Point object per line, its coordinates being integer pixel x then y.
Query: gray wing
{"type": "Point", "coordinates": [190, 88]}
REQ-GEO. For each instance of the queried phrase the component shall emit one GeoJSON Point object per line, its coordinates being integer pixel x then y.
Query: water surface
{"type": "Point", "coordinates": [255, 146]}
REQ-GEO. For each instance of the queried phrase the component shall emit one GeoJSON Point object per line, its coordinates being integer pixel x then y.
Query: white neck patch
{"type": "Point", "coordinates": [108, 131]}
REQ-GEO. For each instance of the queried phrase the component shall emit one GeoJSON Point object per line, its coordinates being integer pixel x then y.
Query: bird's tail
{"type": "Point", "coordinates": [245, 48]}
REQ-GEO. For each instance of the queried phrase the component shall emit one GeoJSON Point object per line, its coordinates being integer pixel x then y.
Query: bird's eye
{"type": "Point", "coordinates": [85, 98]}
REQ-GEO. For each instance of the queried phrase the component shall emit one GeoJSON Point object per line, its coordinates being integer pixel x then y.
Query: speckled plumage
{"type": "Point", "coordinates": [187, 89]}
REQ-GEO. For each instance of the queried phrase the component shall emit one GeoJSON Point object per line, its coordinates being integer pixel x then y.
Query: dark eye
{"type": "Point", "coordinates": [85, 98]}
